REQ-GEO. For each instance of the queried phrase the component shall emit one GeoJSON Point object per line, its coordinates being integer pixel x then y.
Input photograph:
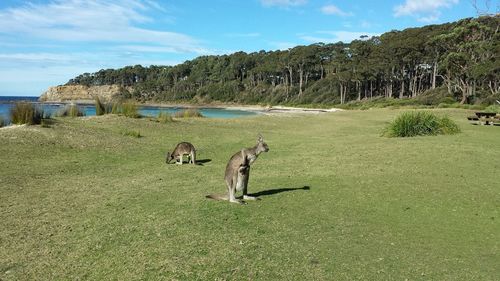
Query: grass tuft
{"type": "Point", "coordinates": [164, 117]}
{"type": "Point", "coordinates": [70, 110]}
{"type": "Point", "coordinates": [101, 108]}
{"type": "Point", "coordinates": [116, 108]}
{"type": "Point", "coordinates": [130, 110]}
{"type": "Point", "coordinates": [26, 113]}
{"type": "Point", "coordinates": [420, 123]}
{"type": "Point", "coordinates": [132, 133]}
{"type": "Point", "coordinates": [188, 113]}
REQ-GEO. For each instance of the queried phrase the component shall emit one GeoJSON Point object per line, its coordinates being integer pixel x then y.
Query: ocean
{"type": "Point", "coordinates": [11, 99]}
{"type": "Point", "coordinates": [7, 102]}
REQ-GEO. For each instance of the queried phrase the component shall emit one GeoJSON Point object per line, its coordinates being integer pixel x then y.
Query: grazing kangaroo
{"type": "Point", "coordinates": [180, 150]}
{"type": "Point", "coordinates": [238, 172]}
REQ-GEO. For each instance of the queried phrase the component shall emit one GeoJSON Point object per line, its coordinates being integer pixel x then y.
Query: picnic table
{"type": "Point", "coordinates": [485, 114]}
{"type": "Point", "coordinates": [485, 118]}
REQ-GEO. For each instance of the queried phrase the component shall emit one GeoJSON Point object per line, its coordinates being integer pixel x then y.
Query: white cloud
{"type": "Point", "coordinates": [283, 3]}
{"type": "Point", "coordinates": [423, 10]}
{"type": "Point", "coordinates": [34, 57]}
{"type": "Point", "coordinates": [14, 80]}
{"type": "Point", "coordinates": [32, 73]}
{"type": "Point", "coordinates": [334, 10]}
{"type": "Point", "coordinates": [92, 21]}
{"type": "Point", "coordinates": [336, 36]}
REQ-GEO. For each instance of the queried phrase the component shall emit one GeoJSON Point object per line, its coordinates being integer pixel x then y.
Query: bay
{"type": "Point", "coordinates": [7, 102]}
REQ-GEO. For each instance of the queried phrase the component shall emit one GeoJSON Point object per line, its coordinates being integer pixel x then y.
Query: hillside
{"type": "Point", "coordinates": [80, 92]}
{"type": "Point", "coordinates": [452, 62]}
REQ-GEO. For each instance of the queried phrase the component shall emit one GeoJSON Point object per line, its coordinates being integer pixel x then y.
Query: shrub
{"type": "Point", "coordinates": [100, 108]}
{"type": "Point", "coordinates": [116, 108]}
{"type": "Point", "coordinates": [187, 113]}
{"type": "Point", "coordinates": [420, 123]}
{"type": "Point", "coordinates": [445, 105]}
{"type": "Point", "coordinates": [135, 134]}
{"type": "Point", "coordinates": [2, 122]}
{"type": "Point", "coordinates": [130, 110]}
{"type": "Point", "coordinates": [164, 117]}
{"type": "Point", "coordinates": [448, 126]}
{"type": "Point", "coordinates": [381, 102]}
{"type": "Point", "coordinates": [436, 96]}
{"type": "Point", "coordinates": [493, 108]}
{"type": "Point", "coordinates": [26, 113]}
{"type": "Point", "coordinates": [228, 91]}
{"type": "Point", "coordinates": [70, 110]}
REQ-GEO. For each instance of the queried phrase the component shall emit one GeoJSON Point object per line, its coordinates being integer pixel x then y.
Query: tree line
{"type": "Point", "coordinates": [457, 61]}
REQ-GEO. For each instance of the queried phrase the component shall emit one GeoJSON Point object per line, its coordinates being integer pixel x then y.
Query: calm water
{"type": "Point", "coordinates": [7, 102]}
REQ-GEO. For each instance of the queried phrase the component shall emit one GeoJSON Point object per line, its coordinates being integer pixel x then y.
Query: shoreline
{"type": "Point", "coordinates": [264, 109]}
{"type": "Point", "coordinates": [256, 108]}
{"type": "Point", "coordinates": [277, 110]}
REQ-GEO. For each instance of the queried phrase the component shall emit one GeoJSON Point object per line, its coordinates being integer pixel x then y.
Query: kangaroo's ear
{"type": "Point", "coordinates": [260, 138]}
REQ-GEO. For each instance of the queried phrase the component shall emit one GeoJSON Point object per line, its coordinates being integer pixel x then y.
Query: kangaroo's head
{"type": "Point", "coordinates": [261, 145]}
{"type": "Point", "coordinates": [169, 157]}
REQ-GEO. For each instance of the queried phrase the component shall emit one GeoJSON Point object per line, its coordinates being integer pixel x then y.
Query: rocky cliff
{"type": "Point", "coordinates": [80, 93]}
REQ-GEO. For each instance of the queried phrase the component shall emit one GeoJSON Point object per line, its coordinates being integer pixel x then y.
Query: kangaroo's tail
{"type": "Point", "coordinates": [217, 197]}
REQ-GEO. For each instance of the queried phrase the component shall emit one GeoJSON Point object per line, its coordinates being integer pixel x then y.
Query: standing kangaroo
{"type": "Point", "coordinates": [180, 150]}
{"type": "Point", "coordinates": [238, 172]}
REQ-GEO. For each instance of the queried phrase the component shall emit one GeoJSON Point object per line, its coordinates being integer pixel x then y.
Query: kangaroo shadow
{"type": "Point", "coordinates": [198, 162]}
{"type": "Point", "coordinates": [278, 190]}
{"type": "Point", "coordinates": [202, 161]}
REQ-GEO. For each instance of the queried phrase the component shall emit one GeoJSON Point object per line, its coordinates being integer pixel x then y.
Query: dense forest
{"type": "Point", "coordinates": [453, 62]}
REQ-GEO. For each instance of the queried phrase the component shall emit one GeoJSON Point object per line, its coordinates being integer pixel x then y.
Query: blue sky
{"type": "Point", "coordinates": [45, 43]}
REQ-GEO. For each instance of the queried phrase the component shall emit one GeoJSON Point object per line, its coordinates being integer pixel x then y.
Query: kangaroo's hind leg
{"type": "Point", "coordinates": [245, 187]}
{"type": "Point", "coordinates": [231, 188]}
{"type": "Point", "coordinates": [193, 157]}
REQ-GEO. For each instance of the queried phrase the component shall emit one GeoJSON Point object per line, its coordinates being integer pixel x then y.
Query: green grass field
{"type": "Point", "coordinates": [83, 201]}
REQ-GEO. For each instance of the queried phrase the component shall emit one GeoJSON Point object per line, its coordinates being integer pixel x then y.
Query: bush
{"type": "Point", "coordinates": [164, 117]}
{"type": "Point", "coordinates": [493, 108]}
{"type": "Point", "coordinates": [382, 102]}
{"type": "Point", "coordinates": [228, 91]}
{"type": "Point", "coordinates": [436, 96]}
{"type": "Point", "coordinates": [116, 108]}
{"type": "Point", "coordinates": [101, 108]}
{"type": "Point", "coordinates": [26, 113]}
{"type": "Point", "coordinates": [187, 113]}
{"type": "Point", "coordinates": [490, 99]}
{"type": "Point", "coordinates": [2, 122]}
{"type": "Point", "coordinates": [420, 123]}
{"type": "Point", "coordinates": [130, 110]}
{"type": "Point", "coordinates": [135, 134]}
{"type": "Point", "coordinates": [70, 110]}
{"type": "Point", "coordinates": [448, 126]}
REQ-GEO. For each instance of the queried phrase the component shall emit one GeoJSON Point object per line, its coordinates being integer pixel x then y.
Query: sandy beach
{"type": "Point", "coordinates": [268, 110]}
